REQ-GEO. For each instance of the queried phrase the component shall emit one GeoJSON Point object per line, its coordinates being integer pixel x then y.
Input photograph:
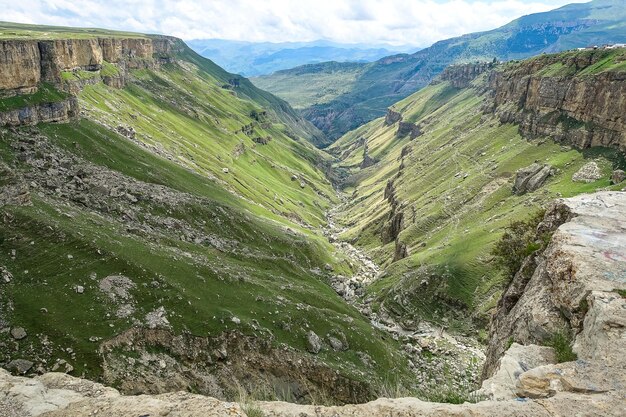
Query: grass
{"type": "Point", "coordinates": [46, 93]}
{"type": "Point", "coordinates": [561, 342]}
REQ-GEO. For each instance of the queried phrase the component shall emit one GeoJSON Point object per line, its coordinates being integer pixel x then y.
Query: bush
{"type": "Point", "coordinates": [520, 239]}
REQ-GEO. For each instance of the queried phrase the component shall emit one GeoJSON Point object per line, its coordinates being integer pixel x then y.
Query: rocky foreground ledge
{"type": "Point", "coordinates": [581, 274]}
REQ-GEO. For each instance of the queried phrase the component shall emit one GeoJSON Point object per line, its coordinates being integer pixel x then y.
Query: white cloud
{"type": "Point", "coordinates": [414, 22]}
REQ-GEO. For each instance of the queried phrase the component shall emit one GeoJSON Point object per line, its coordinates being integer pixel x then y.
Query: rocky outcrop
{"type": "Point", "coordinates": [407, 128]}
{"type": "Point", "coordinates": [582, 111]}
{"type": "Point", "coordinates": [392, 117]}
{"type": "Point", "coordinates": [461, 76]}
{"type": "Point", "coordinates": [60, 395]}
{"type": "Point", "coordinates": [60, 111]}
{"type": "Point", "coordinates": [153, 360]}
{"type": "Point", "coordinates": [530, 178]}
{"type": "Point", "coordinates": [553, 292]}
{"type": "Point", "coordinates": [25, 64]}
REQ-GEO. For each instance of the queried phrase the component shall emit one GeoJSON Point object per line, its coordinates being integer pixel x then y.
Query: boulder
{"type": "Point", "coordinates": [335, 343]}
{"type": "Point", "coordinates": [313, 342]}
{"type": "Point", "coordinates": [618, 176]}
{"type": "Point", "coordinates": [20, 366]}
{"type": "Point", "coordinates": [517, 360]}
{"type": "Point", "coordinates": [18, 333]}
{"type": "Point", "coordinates": [530, 178]}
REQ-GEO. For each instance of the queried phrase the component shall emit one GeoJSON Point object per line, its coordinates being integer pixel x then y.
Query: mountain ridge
{"type": "Point", "coordinates": [380, 84]}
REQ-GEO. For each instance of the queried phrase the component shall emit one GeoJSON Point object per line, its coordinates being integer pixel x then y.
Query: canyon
{"type": "Point", "coordinates": [171, 232]}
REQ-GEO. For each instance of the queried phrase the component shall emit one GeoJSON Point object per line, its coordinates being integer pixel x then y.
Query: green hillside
{"type": "Point", "coordinates": [185, 200]}
{"type": "Point", "coordinates": [388, 80]}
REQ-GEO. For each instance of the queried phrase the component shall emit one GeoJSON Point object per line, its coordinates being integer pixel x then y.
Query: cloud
{"type": "Point", "coordinates": [412, 22]}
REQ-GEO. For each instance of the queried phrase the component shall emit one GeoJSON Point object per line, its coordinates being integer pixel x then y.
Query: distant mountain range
{"type": "Point", "coordinates": [252, 59]}
{"type": "Point", "coordinates": [364, 91]}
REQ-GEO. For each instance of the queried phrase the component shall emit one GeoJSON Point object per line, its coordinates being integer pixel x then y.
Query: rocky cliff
{"type": "Point", "coordinates": [578, 286]}
{"type": "Point", "coordinates": [25, 64]}
{"type": "Point", "coordinates": [460, 76]}
{"type": "Point", "coordinates": [578, 98]}
{"type": "Point", "coordinates": [58, 111]}
{"type": "Point", "coordinates": [557, 291]}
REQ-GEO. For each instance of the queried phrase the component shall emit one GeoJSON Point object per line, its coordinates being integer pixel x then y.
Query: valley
{"type": "Point", "coordinates": [366, 90]}
{"type": "Point", "coordinates": [175, 240]}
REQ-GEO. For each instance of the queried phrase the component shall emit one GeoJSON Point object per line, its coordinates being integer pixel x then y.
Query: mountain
{"type": "Point", "coordinates": [434, 184]}
{"type": "Point", "coordinates": [152, 241]}
{"type": "Point", "coordinates": [258, 58]}
{"type": "Point", "coordinates": [161, 227]}
{"type": "Point", "coordinates": [366, 91]}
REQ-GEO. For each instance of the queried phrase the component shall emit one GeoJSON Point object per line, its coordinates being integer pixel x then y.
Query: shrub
{"type": "Point", "coordinates": [561, 342]}
{"type": "Point", "coordinates": [520, 239]}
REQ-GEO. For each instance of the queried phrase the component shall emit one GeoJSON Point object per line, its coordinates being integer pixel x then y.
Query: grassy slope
{"type": "Point", "coordinates": [308, 85]}
{"type": "Point", "coordinates": [391, 79]}
{"type": "Point", "coordinates": [451, 221]}
{"type": "Point", "coordinates": [183, 113]}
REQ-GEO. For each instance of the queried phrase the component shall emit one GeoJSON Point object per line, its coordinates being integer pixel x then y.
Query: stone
{"type": "Point", "coordinates": [517, 360]}
{"type": "Point", "coordinates": [313, 342]}
{"type": "Point", "coordinates": [225, 170]}
{"type": "Point", "coordinates": [117, 287]}
{"type": "Point", "coordinates": [589, 172]}
{"type": "Point", "coordinates": [20, 366]}
{"type": "Point", "coordinates": [618, 176]}
{"type": "Point", "coordinates": [5, 275]}
{"type": "Point", "coordinates": [236, 320]}
{"type": "Point", "coordinates": [530, 178]}
{"type": "Point", "coordinates": [335, 343]}
{"type": "Point", "coordinates": [79, 289]}
{"type": "Point", "coordinates": [18, 333]}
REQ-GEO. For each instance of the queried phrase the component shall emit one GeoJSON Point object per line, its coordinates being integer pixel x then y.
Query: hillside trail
{"type": "Point", "coordinates": [453, 361]}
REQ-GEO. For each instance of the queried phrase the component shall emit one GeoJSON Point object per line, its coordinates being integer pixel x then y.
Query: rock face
{"type": "Point", "coordinates": [531, 178]}
{"type": "Point", "coordinates": [581, 111]}
{"type": "Point", "coordinates": [461, 76]}
{"type": "Point", "coordinates": [517, 360]}
{"type": "Point", "coordinates": [20, 68]}
{"type": "Point", "coordinates": [25, 65]}
{"type": "Point", "coordinates": [59, 111]}
{"type": "Point", "coordinates": [28, 63]}
{"type": "Point", "coordinates": [407, 128]}
{"type": "Point", "coordinates": [143, 360]}
{"type": "Point", "coordinates": [556, 291]}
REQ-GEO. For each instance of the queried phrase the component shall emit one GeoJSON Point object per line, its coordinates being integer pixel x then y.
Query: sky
{"type": "Point", "coordinates": [398, 22]}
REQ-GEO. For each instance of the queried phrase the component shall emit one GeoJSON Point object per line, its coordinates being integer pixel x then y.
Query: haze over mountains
{"type": "Point", "coordinates": [259, 58]}
{"type": "Point", "coordinates": [368, 89]}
